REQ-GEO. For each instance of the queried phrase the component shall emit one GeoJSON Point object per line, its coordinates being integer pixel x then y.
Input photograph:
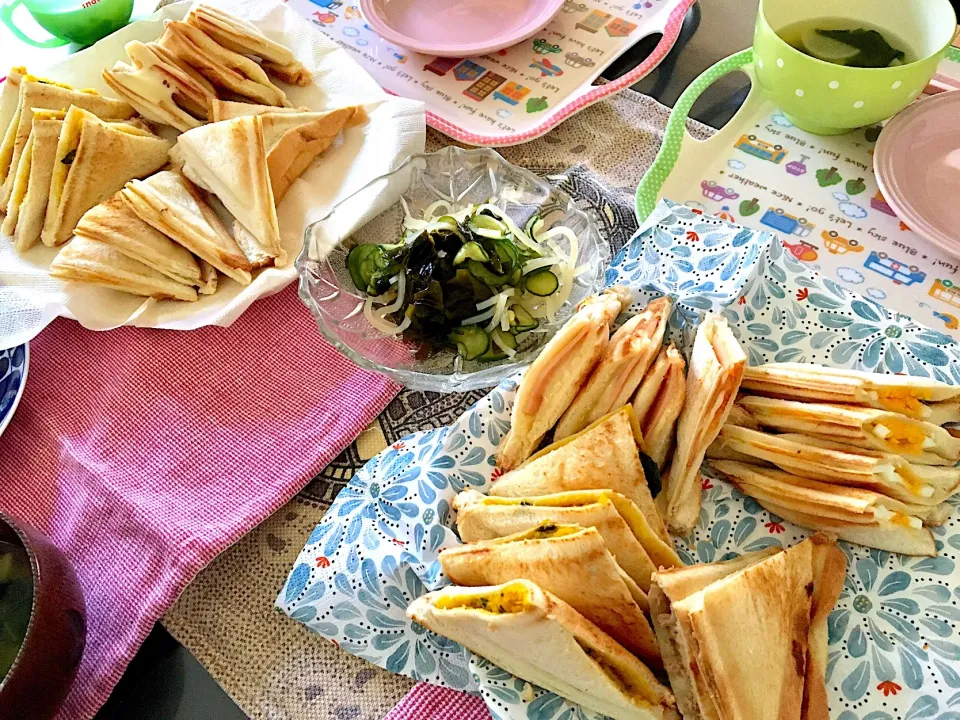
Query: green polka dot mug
{"type": "Point", "coordinates": [829, 99]}
{"type": "Point", "coordinates": [78, 21]}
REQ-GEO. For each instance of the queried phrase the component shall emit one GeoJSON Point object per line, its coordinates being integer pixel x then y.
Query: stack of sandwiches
{"type": "Point", "coordinates": [558, 561]}
{"type": "Point", "coordinates": [860, 455]}
{"type": "Point", "coordinates": [64, 151]}
{"type": "Point", "coordinates": [583, 374]}
{"type": "Point", "coordinates": [569, 558]}
{"type": "Point", "coordinates": [146, 215]}
{"type": "Point", "coordinates": [175, 80]}
{"type": "Point", "coordinates": [560, 556]}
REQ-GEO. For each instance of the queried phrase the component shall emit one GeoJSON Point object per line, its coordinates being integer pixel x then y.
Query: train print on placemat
{"type": "Point", "coordinates": [819, 194]}
{"type": "Point", "coordinates": [541, 75]}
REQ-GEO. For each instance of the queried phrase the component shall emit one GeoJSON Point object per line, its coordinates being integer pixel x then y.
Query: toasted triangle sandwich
{"type": "Point", "coordinates": [911, 396]}
{"type": "Point", "coordinates": [716, 366]}
{"type": "Point", "coordinates": [602, 456]}
{"type": "Point", "coordinates": [574, 564]}
{"type": "Point", "coordinates": [536, 636]}
{"type": "Point", "coordinates": [555, 378]}
{"type": "Point", "coordinates": [637, 547]}
{"type": "Point", "coordinates": [631, 350]}
{"type": "Point", "coordinates": [777, 669]}
{"type": "Point", "coordinates": [229, 159]}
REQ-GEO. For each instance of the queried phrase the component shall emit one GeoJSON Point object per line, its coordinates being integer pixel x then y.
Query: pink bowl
{"type": "Point", "coordinates": [457, 28]}
{"type": "Point", "coordinates": [917, 163]}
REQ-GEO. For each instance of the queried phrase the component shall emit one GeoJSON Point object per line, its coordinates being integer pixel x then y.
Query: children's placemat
{"type": "Point", "coordinates": [516, 94]}
{"type": "Point", "coordinates": [817, 192]}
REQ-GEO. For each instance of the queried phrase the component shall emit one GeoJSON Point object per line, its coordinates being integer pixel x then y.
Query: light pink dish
{"type": "Point", "coordinates": [457, 28]}
{"type": "Point", "coordinates": [917, 163]}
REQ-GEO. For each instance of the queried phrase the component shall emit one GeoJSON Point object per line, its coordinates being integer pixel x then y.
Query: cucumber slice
{"type": "Point", "coordinates": [494, 352]}
{"type": "Point", "coordinates": [472, 341]}
{"type": "Point", "coordinates": [363, 263]}
{"type": "Point", "coordinates": [470, 251]}
{"type": "Point", "coordinates": [541, 282]}
{"type": "Point", "coordinates": [508, 254]}
{"type": "Point", "coordinates": [488, 277]}
{"type": "Point", "coordinates": [522, 320]}
{"type": "Point", "coordinates": [531, 225]}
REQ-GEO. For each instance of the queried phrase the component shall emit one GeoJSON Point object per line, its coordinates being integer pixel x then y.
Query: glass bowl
{"type": "Point", "coordinates": [374, 214]}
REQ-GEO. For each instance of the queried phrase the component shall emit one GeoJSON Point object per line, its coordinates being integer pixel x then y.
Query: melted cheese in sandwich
{"type": "Point", "coordinates": [66, 152]}
{"type": "Point", "coordinates": [23, 174]}
{"type": "Point", "coordinates": [70, 136]}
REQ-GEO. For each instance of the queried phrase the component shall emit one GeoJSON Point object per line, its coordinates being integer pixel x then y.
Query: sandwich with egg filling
{"type": "Point", "coordinates": [637, 548]}
{"type": "Point", "coordinates": [94, 160]}
{"type": "Point", "coordinates": [541, 639]}
{"type": "Point", "coordinates": [910, 396]}
{"type": "Point", "coordinates": [570, 562]}
{"type": "Point", "coordinates": [916, 440]}
{"type": "Point", "coordinates": [713, 378]}
{"type": "Point", "coordinates": [603, 456]}
{"type": "Point", "coordinates": [625, 361]}
{"type": "Point", "coordinates": [553, 380]}
{"type": "Point", "coordinates": [168, 202]}
{"type": "Point", "coordinates": [838, 464]}
{"type": "Point", "coordinates": [860, 516]}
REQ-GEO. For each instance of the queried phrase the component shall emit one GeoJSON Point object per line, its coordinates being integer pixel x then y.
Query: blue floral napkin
{"type": "Point", "coordinates": [894, 650]}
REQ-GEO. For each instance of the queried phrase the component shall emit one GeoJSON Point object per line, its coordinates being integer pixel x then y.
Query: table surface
{"type": "Point", "coordinates": [165, 680]}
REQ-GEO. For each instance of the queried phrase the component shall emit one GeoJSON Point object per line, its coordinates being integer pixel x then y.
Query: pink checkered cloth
{"type": "Point", "coordinates": [145, 453]}
{"type": "Point", "coordinates": [431, 702]}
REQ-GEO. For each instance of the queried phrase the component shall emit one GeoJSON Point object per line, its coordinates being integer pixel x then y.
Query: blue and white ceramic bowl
{"type": "Point", "coordinates": [13, 378]}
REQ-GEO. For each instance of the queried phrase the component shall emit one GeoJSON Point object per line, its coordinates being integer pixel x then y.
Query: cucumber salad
{"type": "Point", "coordinates": [469, 279]}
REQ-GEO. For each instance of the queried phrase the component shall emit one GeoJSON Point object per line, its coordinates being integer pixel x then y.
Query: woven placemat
{"type": "Point", "coordinates": [274, 667]}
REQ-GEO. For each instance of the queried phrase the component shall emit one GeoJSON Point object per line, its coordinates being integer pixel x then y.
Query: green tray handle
{"type": "Point", "coordinates": [953, 54]}
{"type": "Point", "coordinates": [649, 188]}
{"type": "Point", "coordinates": [6, 17]}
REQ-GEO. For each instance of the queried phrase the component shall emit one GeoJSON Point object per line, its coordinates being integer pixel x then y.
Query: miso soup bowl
{"type": "Point", "coordinates": [829, 99]}
{"type": "Point", "coordinates": [46, 666]}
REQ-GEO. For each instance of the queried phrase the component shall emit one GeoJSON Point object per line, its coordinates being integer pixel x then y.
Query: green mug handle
{"type": "Point", "coordinates": [649, 188]}
{"type": "Point", "coordinates": [6, 17]}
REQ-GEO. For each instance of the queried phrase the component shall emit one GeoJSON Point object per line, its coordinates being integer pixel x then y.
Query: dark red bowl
{"type": "Point", "coordinates": [46, 665]}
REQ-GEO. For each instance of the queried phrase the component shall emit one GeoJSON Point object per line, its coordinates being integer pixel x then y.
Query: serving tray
{"type": "Point", "coordinates": [516, 94]}
{"type": "Point", "coordinates": [819, 193]}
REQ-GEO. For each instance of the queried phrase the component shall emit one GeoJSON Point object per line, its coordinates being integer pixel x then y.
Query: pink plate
{"type": "Point", "coordinates": [457, 28]}
{"type": "Point", "coordinates": [917, 163]}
